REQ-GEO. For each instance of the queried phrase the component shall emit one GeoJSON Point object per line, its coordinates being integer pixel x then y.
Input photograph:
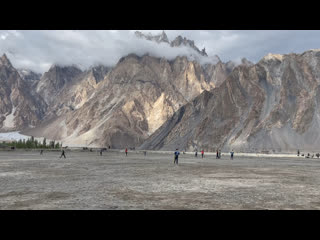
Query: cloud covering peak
{"type": "Point", "coordinates": [39, 49]}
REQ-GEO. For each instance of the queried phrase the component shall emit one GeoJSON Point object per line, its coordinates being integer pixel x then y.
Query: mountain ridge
{"type": "Point", "coordinates": [155, 103]}
{"type": "Point", "coordinates": [270, 105]}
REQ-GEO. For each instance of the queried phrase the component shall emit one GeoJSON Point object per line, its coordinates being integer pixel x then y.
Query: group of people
{"type": "Point", "coordinates": [218, 155]}
{"type": "Point", "coordinates": [308, 155]}
{"type": "Point", "coordinates": [196, 153]}
{"type": "Point", "coordinates": [176, 154]}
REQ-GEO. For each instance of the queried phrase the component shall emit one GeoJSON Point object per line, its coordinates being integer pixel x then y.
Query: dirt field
{"type": "Point", "coordinates": [86, 180]}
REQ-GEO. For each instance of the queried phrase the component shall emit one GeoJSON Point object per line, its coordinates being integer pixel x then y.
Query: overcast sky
{"type": "Point", "coordinates": [38, 50]}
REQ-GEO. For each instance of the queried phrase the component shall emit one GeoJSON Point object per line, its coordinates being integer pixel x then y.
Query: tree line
{"type": "Point", "coordinates": [34, 143]}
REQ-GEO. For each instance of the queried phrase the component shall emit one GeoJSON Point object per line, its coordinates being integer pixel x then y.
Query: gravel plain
{"type": "Point", "coordinates": [85, 180]}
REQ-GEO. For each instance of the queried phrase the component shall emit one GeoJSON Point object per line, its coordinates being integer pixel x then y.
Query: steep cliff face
{"type": "Point", "coordinates": [72, 95]}
{"type": "Point", "coordinates": [31, 79]}
{"type": "Point", "coordinates": [77, 90]}
{"type": "Point", "coordinates": [53, 81]}
{"type": "Point", "coordinates": [217, 73]}
{"type": "Point", "coordinates": [271, 105]}
{"type": "Point", "coordinates": [18, 107]}
{"type": "Point", "coordinates": [289, 117]}
{"type": "Point", "coordinates": [29, 76]}
{"type": "Point", "coordinates": [135, 98]}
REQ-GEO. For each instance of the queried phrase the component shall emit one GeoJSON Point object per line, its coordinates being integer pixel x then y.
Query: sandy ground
{"type": "Point", "coordinates": [86, 180]}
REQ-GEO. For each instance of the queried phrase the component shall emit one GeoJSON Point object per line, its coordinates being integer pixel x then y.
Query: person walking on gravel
{"type": "Point", "coordinates": [176, 156]}
{"type": "Point", "coordinates": [63, 154]}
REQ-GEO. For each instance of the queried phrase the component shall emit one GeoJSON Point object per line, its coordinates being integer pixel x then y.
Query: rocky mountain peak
{"type": "Point", "coordinates": [271, 56]}
{"type": "Point", "coordinates": [4, 61]}
{"type": "Point", "coordinates": [156, 38]}
{"type": "Point", "coordinates": [245, 61]}
{"type": "Point", "coordinates": [177, 42]}
{"type": "Point", "coordinates": [203, 52]}
{"type": "Point", "coordinates": [164, 37]}
{"type": "Point", "coordinates": [57, 67]}
{"type": "Point", "coordinates": [29, 75]}
{"type": "Point", "coordinates": [55, 79]}
{"type": "Point", "coordinates": [99, 72]}
{"type": "Point", "coordinates": [19, 108]}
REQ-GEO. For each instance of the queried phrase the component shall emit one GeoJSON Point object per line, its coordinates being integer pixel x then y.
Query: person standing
{"type": "Point", "coordinates": [202, 153]}
{"type": "Point", "coordinates": [63, 154]}
{"type": "Point", "coordinates": [217, 156]}
{"type": "Point", "coordinates": [176, 156]}
{"type": "Point", "coordinates": [126, 151]}
{"type": "Point", "coordinates": [41, 152]}
{"type": "Point", "coordinates": [196, 153]}
{"type": "Point", "coordinates": [232, 152]}
{"type": "Point", "coordinates": [101, 152]}
{"type": "Point", "coordinates": [298, 152]}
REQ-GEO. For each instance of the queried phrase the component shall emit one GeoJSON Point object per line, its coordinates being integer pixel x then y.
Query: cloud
{"type": "Point", "coordinates": [252, 44]}
{"type": "Point", "coordinates": [38, 50]}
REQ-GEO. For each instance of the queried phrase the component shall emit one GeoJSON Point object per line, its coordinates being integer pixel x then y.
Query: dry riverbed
{"type": "Point", "coordinates": [86, 180]}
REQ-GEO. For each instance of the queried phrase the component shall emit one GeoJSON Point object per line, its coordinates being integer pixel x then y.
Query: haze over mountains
{"type": "Point", "coordinates": [155, 103]}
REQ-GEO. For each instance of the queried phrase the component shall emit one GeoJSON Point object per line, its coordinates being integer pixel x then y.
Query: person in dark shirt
{"type": "Point", "coordinates": [232, 152]}
{"type": "Point", "coordinates": [63, 154]}
{"type": "Point", "coordinates": [176, 156]}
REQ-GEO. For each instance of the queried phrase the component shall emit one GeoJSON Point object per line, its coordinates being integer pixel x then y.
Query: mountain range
{"type": "Point", "coordinates": [155, 103]}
